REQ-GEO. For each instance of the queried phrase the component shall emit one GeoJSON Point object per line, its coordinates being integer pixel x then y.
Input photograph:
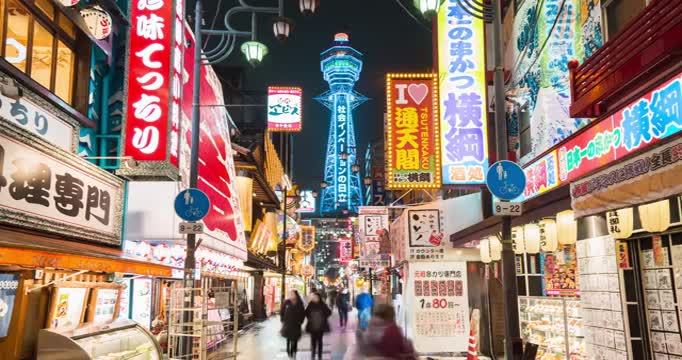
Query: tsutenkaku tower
{"type": "Point", "coordinates": [341, 66]}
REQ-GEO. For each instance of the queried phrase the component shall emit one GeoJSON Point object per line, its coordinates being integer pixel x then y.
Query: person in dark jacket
{"type": "Point", "coordinates": [383, 338]}
{"type": "Point", "coordinates": [343, 304]}
{"type": "Point", "coordinates": [292, 316]}
{"type": "Point", "coordinates": [317, 313]}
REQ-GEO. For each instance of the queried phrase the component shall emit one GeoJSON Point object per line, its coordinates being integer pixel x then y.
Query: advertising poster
{"type": "Point", "coordinates": [439, 303]}
{"type": "Point", "coordinates": [373, 224]}
{"type": "Point", "coordinates": [412, 154]}
{"type": "Point", "coordinates": [307, 203]}
{"type": "Point", "coordinates": [284, 108]}
{"type": "Point", "coordinates": [561, 272]}
{"type": "Point", "coordinates": [106, 305]}
{"type": "Point", "coordinates": [69, 307]}
{"type": "Point", "coordinates": [142, 302]}
{"type": "Point", "coordinates": [8, 293]}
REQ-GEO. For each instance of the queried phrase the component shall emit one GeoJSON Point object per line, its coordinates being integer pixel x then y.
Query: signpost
{"type": "Point", "coordinates": [192, 205]}
{"type": "Point", "coordinates": [506, 180]}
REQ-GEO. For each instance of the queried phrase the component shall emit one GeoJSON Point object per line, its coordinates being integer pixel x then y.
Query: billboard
{"type": "Point", "coordinates": [154, 81]}
{"type": "Point", "coordinates": [224, 227]}
{"type": "Point", "coordinates": [412, 148]}
{"type": "Point", "coordinates": [307, 203]}
{"type": "Point", "coordinates": [284, 108]}
{"type": "Point", "coordinates": [463, 126]}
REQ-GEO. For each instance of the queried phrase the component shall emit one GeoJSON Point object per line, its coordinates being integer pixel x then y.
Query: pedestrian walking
{"type": "Point", "coordinates": [343, 304]}
{"type": "Point", "coordinates": [292, 317]}
{"type": "Point", "coordinates": [364, 304]}
{"type": "Point", "coordinates": [317, 313]}
{"type": "Point", "coordinates": [333, 293]}
{"type": "Point", "coordinates": [383, 338]}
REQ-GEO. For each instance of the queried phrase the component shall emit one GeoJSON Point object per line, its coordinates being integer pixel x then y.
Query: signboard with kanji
{"type": "Point", "coordinates": [463, 127]}
{"type": "Point", "coordinates": [45, 188]}
{"type": "Point", "coordinates": [284, 108]}
{"type": "Point", "coordinates": [412, 148]}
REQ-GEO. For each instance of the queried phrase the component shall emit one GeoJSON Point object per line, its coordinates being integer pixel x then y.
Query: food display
{"type": "Point", "coordinates": [555, 324]}
{"type": "Point", "coordinates": [123, 340]}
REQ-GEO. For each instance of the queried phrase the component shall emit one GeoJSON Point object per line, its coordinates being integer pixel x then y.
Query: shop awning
{"type": "Point", "coordinates": [33, 250]}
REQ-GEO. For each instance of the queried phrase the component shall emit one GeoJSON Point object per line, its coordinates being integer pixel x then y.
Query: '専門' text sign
{"type": "Point", "coordinates": [413, 151]}
{"type": "Point", "coordinates": [461, 64]}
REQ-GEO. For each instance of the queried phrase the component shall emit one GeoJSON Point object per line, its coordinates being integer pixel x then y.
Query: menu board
{"type": "Point", "coordinates": [601, 298]}
{"type": "Point", "coordinates": [439, 319]}
{"type": "Point", "coordinates": [561, 273]}
{"type": "Point", "coordinates": [142, 302]}
{"type": "Point", "coordinates": [68, 306]}
{"type": "Point", "coordinates": [105, 305]}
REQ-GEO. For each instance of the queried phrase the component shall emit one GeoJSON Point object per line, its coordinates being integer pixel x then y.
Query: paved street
{"type": "Point", "coordinates": [263, 341]}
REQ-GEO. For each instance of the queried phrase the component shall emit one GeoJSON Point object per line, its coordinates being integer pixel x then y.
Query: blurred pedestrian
{"type": "Point", "coordinates": [364, 304]}
{"type": "Point", "coordinates": [292, 317]}
{"type": "Point", "coordinates": [333, 293]}
{"type": "Point", "coordinates": [383, 338]}
{"type": "Point", "coordinates": [317, 313]}
{"type": "Point", "coordinates": [343, 304]}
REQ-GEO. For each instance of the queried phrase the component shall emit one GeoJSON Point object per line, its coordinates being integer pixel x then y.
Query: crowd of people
{"type": "Point", "coordinates": [378, 334]}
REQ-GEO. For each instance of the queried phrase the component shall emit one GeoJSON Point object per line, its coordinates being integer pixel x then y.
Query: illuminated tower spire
{"type": "Point", "coordinates": [341, 66]}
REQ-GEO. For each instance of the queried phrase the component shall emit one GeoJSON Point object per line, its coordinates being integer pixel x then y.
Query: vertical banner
{"type": "Point", "coordinates": [149, 71]}
{"type": "Point", "coordinates": [461, 64]}
{"type": "Point", "coordinates": [373, 224]}
{"type": "Point", "coordinates": [284, 108]}
{"type": "Point", "coordinates": [413, 148]}
{"type": "Point", "coordinates": [8, 293]}
{"type": "Point", "coordinates": [439, 303]}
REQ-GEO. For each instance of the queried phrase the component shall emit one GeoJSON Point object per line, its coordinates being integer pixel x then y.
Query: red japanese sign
{"type": "Point", "coordinates": [413, 151]}
{"type": "Point", "coordinates": [216, 166]}
{"type": "Point", "coordinates": [149, 74]}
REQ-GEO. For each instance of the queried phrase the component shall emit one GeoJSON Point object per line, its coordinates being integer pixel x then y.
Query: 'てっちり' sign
{"type": "Point", "coordinates": [413, 151]}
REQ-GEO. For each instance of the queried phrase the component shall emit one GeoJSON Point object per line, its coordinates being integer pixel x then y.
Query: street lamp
{"type": "Point", "coordinates": [308, 7]}
{"type": "Point", "coordinates": [254, 51]}
{"type": "Point", "coordinates": [427, 7]}
{"type": "Point", "coordinates": [282, 27]}
{"type": "Point", "coordinates": [313, 193]}
{"type": "Point", "coordinates": [355, 168]}
{"type": "Point", "coordinates": [367, 180]}
{"type": "Point", "coordinates": [343, 155]}
{"type": "Point", "coordinates": [323, 184]}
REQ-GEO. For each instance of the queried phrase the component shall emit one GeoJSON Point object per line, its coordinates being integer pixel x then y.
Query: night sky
{"type": "Point", "coordinates": [390, 40]}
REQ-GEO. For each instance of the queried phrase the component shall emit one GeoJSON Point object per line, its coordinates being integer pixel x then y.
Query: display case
{"type": "Point", "coordinates": [555, 324]}
{"type": "Point", "coordinates": [122, 340]}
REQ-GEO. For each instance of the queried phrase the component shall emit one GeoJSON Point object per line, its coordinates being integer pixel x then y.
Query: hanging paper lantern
{"type": "Point", "coordinates": [517, 240]}
{"type": "Point", "coordinates": [245, 192]}
{"type": "Point", "coordinates": [69, 3]}
{"type": "Point", "coordinates": [620, 223]}
{"type": "Point", "coordinates": [531, 237]}
{"type": "Point", "coordinates": [484, 248]}
{"type": "Point", "coordinates": [548, 235]}
{"type": "Point", "coordinates": [567, 228]}
{"type": "Point", "coordinates": [161, 253]}
{"type": "Point", "coordinates": [655, 217]}
{"type": "Point", "coordinates": [98, 21]}
{"type": "Point", "coordinates": [495, 248]}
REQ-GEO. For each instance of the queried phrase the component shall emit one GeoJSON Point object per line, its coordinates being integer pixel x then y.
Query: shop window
{"type": "Point", "coordinates": [40, 41]}
{"type": "Point", "coordinates": [619, 12]}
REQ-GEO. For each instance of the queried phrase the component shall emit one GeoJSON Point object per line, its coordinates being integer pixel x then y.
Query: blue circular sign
{"type": "Point", "coordinates": [192, 204]}
{"type": "Point", "coordinates": [506, 180]}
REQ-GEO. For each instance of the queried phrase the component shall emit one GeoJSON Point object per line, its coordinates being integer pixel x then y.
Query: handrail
{"type": "Point", "coordinates": [594, 79]}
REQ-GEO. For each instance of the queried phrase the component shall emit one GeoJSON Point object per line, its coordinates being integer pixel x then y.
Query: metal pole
{"type": "Point", "coordinates": [283, 250]}
{"type": "Point", "coordinates": [513, 345]}
{"type": "Point", "coordinates": [371, 285]}
{"type": "Point", "coordinates": [190, 260]}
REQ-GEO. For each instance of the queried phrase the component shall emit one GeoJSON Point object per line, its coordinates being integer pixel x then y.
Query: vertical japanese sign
{"type": "Point", "coordinates": [176, 102]}
{"type": "Point", "coordinates": [373, 224]}
{"type": "Point", "coordinates": [152, 47]}
{"type": "Point", "coordinates": [224, 226]}
{"type": "Point", "coordinates": [413, 144]}
{"type": "Point", "coordinates": [440, 306]}
{"type": "Point", "coordinates": [461, 63]}
{"type": "Point", "coordinates": [342, 167]}
{"type": "Point", "coordinates": [378, 186]}
{"type": "Point", "coordinates": [345, 249]}
{"type": "Point", "coordinates": [284, 108]}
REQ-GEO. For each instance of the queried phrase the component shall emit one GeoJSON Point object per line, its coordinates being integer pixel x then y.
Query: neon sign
{"type": "Point", "coordinates": [284, 108]}
{"type": "Point", "coordinates": [463, 128]}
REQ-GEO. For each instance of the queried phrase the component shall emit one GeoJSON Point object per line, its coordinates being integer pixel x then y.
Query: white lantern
{"type": "Point", "coordinates": [548, 235]}
{"type": "Point", "coordinates": [495, 248]}
{"type": "Point", "coordinates": [98, 21]}
{"type": "Point", "coordinates": [567, 229]}
{"type": "Point", "coordinates": [655, 217]}
{"type": "Point", "coordinates": [427, 7]}
{"type": "Point", "coordinates": [531, 237]}
{"type": "Point", "coordinates": [517, 240]}
{"type": "Point", "coordinates": [484, 247]}
{"type": "Point", "coordinates": [620, 223]}
{"type": "Point", "coordinates": [254, 51]}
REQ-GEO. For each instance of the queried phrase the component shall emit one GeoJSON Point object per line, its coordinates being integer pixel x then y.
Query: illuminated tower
{"type": "Point", "coordinates": [341, 66]}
